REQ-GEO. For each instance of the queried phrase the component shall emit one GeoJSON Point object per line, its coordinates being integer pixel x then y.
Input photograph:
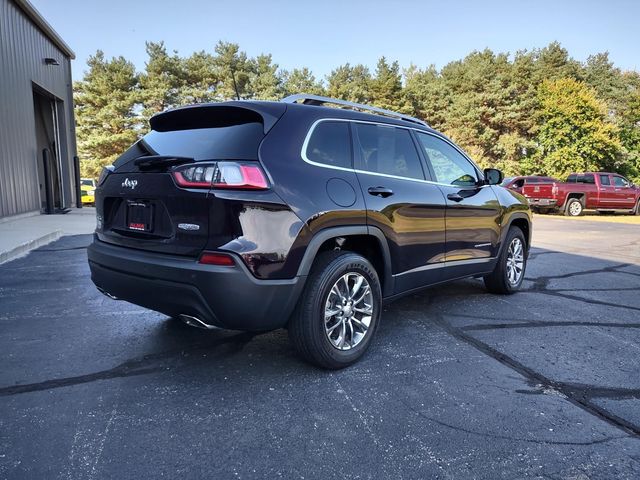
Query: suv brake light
{"type": "Point", "coordinates": [223, 174]}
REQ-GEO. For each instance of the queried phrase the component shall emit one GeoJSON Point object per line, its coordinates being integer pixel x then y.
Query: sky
{"type": "Point", "coordinates": [324, 34]}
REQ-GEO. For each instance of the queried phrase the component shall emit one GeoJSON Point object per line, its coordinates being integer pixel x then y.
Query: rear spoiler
{"type": "Point", "coordinates": [218, 115]}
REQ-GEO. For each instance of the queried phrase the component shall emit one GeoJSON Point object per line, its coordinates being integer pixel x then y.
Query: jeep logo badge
{"type": "Point", "coordinates": [129, 183]}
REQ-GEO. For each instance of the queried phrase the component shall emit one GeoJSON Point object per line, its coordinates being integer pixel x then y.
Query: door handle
{"type": "Point", "coordinates": [456, 197]}
{"type": "Point", "coordinates": [380, 191]}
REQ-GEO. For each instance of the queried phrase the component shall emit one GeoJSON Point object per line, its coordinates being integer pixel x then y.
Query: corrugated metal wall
{"type": "Point", "coordinates": [23, 48]}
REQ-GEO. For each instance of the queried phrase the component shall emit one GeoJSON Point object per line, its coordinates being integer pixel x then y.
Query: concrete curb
{"type": "Point", "coordinates": [26, 247]}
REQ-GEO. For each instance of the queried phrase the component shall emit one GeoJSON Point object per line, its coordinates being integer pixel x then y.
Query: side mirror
{"type": "Point", "coordinates": [493, 176]}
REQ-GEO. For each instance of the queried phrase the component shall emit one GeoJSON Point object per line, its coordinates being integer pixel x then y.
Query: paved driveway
{"type": "Point", "coordinates": [458, 384]}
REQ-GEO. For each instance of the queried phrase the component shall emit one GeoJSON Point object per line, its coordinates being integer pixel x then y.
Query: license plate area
{"type": "Point", "coordinates": [139, 216]}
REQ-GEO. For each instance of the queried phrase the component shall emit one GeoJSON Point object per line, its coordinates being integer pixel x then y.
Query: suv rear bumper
{"type": "Point", "coordinates": [542, 202]}
{"type": "Point", "coordinates": [225, 297]}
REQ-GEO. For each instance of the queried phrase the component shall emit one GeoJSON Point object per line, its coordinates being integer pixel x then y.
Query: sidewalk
{"type": "Point", "coordinates": [19, 236]}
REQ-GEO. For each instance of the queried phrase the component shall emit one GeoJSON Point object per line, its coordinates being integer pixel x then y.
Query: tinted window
{"type": "Point", "coordinates": [388, 150]}
{"type": "Point", "coordinates": [235, 142]}
{"type": "Point", "coordinates": [604, 180]}
{"type": "Point", "coordinates": [449, 165]}
{"type": "Point", "coordinates": [532, 180]}
{"type": "Point", "coordinates": [581, 179]}
{"type": "Point", "coordinates": [330, 144]}
{"type": "Point", "coordinates": [620, 182]}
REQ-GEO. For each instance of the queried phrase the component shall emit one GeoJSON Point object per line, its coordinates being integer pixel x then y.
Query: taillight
{"type": "Point", "coordinates": [223, 174]}
{"type": "Point", "coordinates": [554, 189]}
{"type": "Point", "coordinates": [216, 258]}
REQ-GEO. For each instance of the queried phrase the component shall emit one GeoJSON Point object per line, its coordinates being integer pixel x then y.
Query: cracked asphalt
{"type": "Point", "coordinates": [458, 383]}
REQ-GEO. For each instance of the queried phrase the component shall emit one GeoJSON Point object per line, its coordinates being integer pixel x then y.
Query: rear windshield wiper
{"type": "Point", "coordinates": [161, 162]}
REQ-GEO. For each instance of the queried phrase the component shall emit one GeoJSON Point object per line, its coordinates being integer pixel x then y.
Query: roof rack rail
{"type": "Point", "coordinates": [319, 100]}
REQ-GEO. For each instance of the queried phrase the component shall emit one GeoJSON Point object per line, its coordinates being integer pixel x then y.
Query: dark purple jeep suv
{"type": "Point", "coordinates": [260, 215]}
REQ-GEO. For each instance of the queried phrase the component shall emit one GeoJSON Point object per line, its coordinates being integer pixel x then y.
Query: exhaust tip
{"type": "Point", "coordinates": [196, 322]}
{"type": "Point", "coordinates": [107, 294]}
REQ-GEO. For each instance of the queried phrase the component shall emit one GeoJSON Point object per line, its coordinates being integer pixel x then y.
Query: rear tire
{"type": "Point", "coordinates": [508, 275]}
{"type": "Point", "coordinates": [574, 208]}
{"type": "Point", "coordinates": [338, 340]}
{"type": "Point", "coordinates": [637, 210]}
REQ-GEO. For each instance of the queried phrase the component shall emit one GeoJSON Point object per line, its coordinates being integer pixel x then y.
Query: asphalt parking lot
{"type": "Point", "coordinates": [458, 384]}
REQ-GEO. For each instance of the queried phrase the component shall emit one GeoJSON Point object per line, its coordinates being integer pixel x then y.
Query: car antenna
{"type": "Point", "coordinates": [235, 85]}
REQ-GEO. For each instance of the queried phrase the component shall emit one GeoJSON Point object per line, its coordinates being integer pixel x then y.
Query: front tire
{"type": "Point", "coordinates": [338, 313]}
{"type": "Point", "coordinates": [574, 208]}
{"type": "Point", "coordinates": [508, 275]}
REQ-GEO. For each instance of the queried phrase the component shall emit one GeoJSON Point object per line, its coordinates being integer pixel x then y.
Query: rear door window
{"type": "Point", "coordinates": [604, 180]}
{"type": "Point", "coordinates": [449, 165]}
{"type": "Point", "coordinates": [330, 144]}
{"type": "Point", "coordinates": [388, 150]}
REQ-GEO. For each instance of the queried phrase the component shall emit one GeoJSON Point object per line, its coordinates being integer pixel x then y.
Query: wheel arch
{"type": "Point", "coordinates": [368, 241]}
{"type": "Point", "coordinates": [523, 222]}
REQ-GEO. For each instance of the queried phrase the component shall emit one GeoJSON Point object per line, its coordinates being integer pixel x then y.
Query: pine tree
{"type": "Point", "coordinates": [233, 71]}
{"type": "Point", "coordinates": [105, 101]}
{"type": "Point", "coordinates": [301, 81]}
{"type": "Point", "coordinates": [350, 83]}
{"type": "Point", "coordinates": [199, 79]}
{"type": "Point", "coordinates": [426, 95]}
{"type": "Point", "coordinates": [386, 87]}
{"type": "Point", "coordinates": [266, 80]}
{"type": "Point", "coordinates": [161, 82]}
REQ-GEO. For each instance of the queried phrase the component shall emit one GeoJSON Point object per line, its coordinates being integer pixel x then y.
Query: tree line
{"type": "Point", "coordinates": [532, 112]}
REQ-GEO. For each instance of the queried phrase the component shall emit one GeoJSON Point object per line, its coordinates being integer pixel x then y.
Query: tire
{"type": "Point", "coordinates": [637, 210]}
{"type": "Point", "coordinates": [308, 329]}
{"type": "Point", "coordinates": [499, 280]}
{"type": "Point", "coordinates": [574, 208]}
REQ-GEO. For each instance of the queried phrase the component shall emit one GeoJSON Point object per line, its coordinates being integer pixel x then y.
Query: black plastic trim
{"type": "Point", "coordinates": [323, 235]}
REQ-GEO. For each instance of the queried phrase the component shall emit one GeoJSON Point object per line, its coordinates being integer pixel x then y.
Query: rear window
{"type": "Point", "coordinates": [234, 142]}
{"type": "Point", "coordinates": [388, 150]}
{"type": "Point", "coordinates": [573, 178]}
{"type": "Point", "coordinates": [330, 144]}
{"type": "Point", "coordinates": [604, 180]}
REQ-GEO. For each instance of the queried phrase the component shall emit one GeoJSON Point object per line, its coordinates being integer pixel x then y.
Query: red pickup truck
{"type": "Point", "coordinates": [607, 192]}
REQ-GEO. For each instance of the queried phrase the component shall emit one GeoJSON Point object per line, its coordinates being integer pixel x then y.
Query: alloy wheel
{"type": "Point", "coordinates": [515, 261]}
{"type": "Point", "coordinates": [348, 311]}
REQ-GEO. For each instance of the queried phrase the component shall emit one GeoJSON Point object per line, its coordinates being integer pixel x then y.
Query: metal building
{"type": "Point", "coordinates": [38, 167]}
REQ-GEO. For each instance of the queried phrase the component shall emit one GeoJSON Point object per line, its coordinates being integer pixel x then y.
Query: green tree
{"type": "Point", "coordinates": [161, 82]}
{"type": "Point", "coordinates": [574, 135]}
{"type": "Point", "coordinates": [233, 69]}
{"type": "Point", "coordinates": [105, 101]}
{"type": "Point", "coordinates": [386, 87]}
{"type": "Point", "coordinates": [484, 113]}
{"type": "Point", "coordinates": [265, 80]}
{"type": "Point", "coordinates": [199, 79]}
{"type": "Point", "coordinates": [426, 95]}
{"type": "Point", "coordinates": [301, 80]}
{"type": "Point", "coordinates": [350, 83]}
